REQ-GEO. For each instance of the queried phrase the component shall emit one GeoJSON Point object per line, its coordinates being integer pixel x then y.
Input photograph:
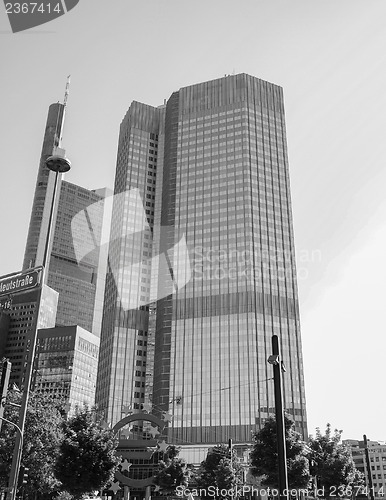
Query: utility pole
{"type": "Point", "coordinates": [4, 382]}
{"type": "Point", "coordinates": [276, 361]}
{"type": "Point", "coordinates": [368, 467]}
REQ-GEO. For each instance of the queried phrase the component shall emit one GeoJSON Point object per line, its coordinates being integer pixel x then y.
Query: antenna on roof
{"type": "Point", "coordinates": [60, 122]}
{"type": "Point", "coordinates": [66, 92]}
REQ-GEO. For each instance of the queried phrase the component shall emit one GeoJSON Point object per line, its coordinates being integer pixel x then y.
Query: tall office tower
{"type": "Point", "coordinates": [80, 300]}
{"type": "Point", "coordinates": [225, 191]}
{"type": "Point", "coordinates": [37, 232]}
{"type": "Point", "coordinates": [123, 348]}
{"type": "Point", "coordinates": [76, 279]}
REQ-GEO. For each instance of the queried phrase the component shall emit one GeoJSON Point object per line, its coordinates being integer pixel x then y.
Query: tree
{"type": "Point", "coordinates": [264, 456]}
{"type": "Point", "coordinates": [331, 462]}
{"type": "Point", "coordinates": [228, 474]}
{"type": "Point", "coordinates": [87, 460]}
{"type": "Point", "coordinates": [220, 469]}
{"type": "Point", "coordinates": [172, 472]}
{"type": "Point", "coordinates": [42, 439]}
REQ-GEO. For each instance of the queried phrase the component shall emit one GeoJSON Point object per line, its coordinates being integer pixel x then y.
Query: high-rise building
{"type": "Point", "coordinates": [202, 265]}
{"type": "Point", "coordinates": [37, 232]}
{"type": "Point", "coordinates": [78, 283]}
{"type": "Point", "coordinates": [77, 280]}
{"type": "Point", "coordinates": [122, 367]}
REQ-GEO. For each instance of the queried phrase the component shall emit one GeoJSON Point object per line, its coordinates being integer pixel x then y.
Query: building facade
{"type": "Point", "coordinates": [17, 327]}
{"type": "Point", "coordinates": [377, 457]}
{"type": "Point", "coordinates": [122, 366]}
{"type": "Point", "coordinates": [206, 274]}
{"type": "Point", "coordinates": [77, 282]}
{"type": "Point", "coordinates": [66, 365]}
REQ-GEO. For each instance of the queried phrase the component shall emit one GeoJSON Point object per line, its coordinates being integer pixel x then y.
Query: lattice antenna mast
{"type": "Point", "coordinates": [67, 91]}
{"type": "Point", "coordinates": [61, 125]}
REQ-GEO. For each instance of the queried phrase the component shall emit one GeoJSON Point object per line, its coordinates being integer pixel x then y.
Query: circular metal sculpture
{"type": "Point", "coordinates": [138, 448]}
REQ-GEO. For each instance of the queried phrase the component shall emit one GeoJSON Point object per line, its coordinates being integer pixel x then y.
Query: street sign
{"type": "Point", "coordinates": [6, 303]}
{"type": "Point", "coordinates": [20, 282]}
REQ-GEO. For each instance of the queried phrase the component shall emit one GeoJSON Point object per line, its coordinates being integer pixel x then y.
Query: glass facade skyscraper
{"type": "Point", "coordinates": [77, 282]}
{"type": "Point", "coordinates": [222, 187]}
{"type": "Point", "coordinates": [123, 349]}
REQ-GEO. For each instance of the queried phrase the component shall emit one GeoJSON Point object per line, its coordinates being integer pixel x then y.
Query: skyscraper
{"type": "Point", "coordinates": [211, 170]}
{"type": "Point", "coordinates": [76, 281]}
{"type": "Point", "coordinates": [80, 300]}
{"type": "Point", "coordinates": [37, 231]}
{"type": "Point", "coordinates": [122, 366]}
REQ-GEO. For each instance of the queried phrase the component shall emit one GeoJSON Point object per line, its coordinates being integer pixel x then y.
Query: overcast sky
{"type": "Point", "coordinates": [330, 58]}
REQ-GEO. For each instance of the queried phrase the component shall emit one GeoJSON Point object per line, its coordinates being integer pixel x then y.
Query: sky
{"type": "Point", "coordinates": [330, 58]}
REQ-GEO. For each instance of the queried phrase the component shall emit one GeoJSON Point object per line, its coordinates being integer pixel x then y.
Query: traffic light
{"type": "Point", "coordinates": [23, 476]}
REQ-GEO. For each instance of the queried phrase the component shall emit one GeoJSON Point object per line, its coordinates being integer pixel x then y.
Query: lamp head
{"type": "Point", "coordinates": [273, 359]}
{"type": "Point", "coordinates": [58, 164]}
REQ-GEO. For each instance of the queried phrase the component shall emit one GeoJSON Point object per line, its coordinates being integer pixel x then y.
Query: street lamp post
{"type": "Point", "coordinates": [276, 361]}
{"type": "Point", "coordinates": [59, 165]}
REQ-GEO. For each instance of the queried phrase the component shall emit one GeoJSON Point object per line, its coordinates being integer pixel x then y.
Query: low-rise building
{"type": "Point", "coordinates": [66, 364]}
{"type": "Point", "coordinates": [17, 324]}
{"type": "Point", "coordinates": [377, 456]}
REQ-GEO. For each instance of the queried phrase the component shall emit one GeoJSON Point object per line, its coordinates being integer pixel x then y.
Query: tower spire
{"type": "Point", "coordinates": [59, 133]}
{"type": "Point", "coordinates": [67, 91]}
